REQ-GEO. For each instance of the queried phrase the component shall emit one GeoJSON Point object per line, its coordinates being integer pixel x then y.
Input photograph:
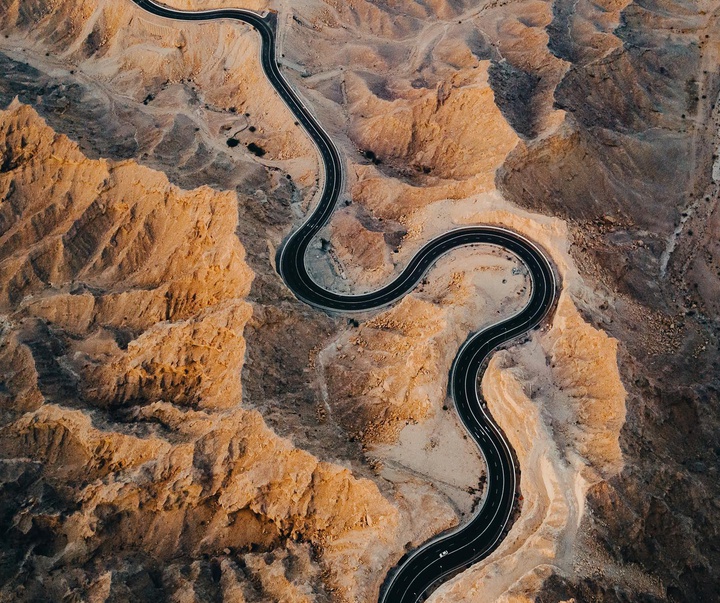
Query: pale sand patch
{"type": "Point", "coordinates": [430, 453]}
{"type": "Point", "coordinates": [256, 5]}
{"type": "Point", "coordinates": [439, 452]}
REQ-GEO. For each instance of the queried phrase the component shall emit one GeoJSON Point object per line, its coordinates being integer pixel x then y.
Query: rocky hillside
{"type": "Point", "coordinates": [612, 108]}
{"type": "Point", "coordinates": [175, 425]}
{"type": "Point", "coordinates": [129, 464]}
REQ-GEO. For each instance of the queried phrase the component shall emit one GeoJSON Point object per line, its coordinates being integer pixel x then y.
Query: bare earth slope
{"type": "Point", "coordinates": [127, 456]}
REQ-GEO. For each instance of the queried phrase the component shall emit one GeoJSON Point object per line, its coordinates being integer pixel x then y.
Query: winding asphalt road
{"type": "Point", "coordinates": [419, 572]}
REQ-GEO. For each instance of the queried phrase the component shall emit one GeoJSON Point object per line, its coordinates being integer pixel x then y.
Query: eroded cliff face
{"type": "Point", "coordinates": [127, 456]}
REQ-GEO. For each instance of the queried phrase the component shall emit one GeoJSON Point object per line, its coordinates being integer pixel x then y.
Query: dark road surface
{"type": "Point", "coordinates": [425, 568]}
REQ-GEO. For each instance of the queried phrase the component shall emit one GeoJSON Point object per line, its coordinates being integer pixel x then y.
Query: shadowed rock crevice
{"type": "Point", "coordinates": [514, 90]}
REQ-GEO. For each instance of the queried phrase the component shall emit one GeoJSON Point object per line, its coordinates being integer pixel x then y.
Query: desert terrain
{"type": "Point", "coordinates": [176, 426]}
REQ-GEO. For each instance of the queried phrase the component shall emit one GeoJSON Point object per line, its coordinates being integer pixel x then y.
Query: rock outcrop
{"type": "Point", "coordinates": [127, 455]}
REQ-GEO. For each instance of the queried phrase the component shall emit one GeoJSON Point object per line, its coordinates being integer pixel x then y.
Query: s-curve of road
{"type": "Point", "coordinates": [426, 567]}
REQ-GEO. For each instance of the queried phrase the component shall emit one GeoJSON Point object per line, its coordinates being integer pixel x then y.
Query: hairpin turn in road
{"type": "Point", "coordinates": [426, 567]}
